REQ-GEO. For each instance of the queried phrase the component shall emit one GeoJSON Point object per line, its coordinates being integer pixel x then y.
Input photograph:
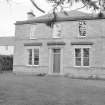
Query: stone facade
{"type": "Point", "coordinates": [67, 42]}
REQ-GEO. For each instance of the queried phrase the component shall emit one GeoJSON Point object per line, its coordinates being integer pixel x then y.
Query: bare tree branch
{"type": "Point", "coordinates": [81, 7]}
{"type": "Point", "coordinates": [37, 6]}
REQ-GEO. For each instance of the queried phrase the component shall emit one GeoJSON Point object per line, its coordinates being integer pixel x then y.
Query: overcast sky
{"type": "Point", "coordinates": [15, 11]}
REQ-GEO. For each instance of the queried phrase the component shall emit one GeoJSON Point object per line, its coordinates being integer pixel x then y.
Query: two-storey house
{"type": "Point", "coordinates": [74, 45]}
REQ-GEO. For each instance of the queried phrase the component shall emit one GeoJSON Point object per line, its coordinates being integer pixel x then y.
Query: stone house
{"type": "Point", "coordinates": [75, 45]}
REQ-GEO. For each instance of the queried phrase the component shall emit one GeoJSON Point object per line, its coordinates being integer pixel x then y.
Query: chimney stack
{"type": "Point", "coordinates": [30, 15]}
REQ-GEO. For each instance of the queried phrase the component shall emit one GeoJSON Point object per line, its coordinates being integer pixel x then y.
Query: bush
{"type": "Point", "coordinates": [6, 62]}
{"type": "Point", "coordinates": [41, 74]}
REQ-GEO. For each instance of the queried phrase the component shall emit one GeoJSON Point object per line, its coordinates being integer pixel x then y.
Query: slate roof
{"type": "Point", "coordinates": [7, 41]}
{"type": "Point", "coordinates": [71, 16]}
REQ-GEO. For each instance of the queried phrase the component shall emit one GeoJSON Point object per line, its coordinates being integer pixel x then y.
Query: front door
{"type": "Point", "coordinates": [56, 60]}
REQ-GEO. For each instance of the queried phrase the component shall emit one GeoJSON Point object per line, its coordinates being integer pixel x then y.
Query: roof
{"type": "Point", "coordinates": [7, 41]}
{"type": "Point", "coordinates": [71, 16]}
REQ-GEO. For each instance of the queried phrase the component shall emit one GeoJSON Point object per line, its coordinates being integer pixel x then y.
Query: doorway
{"type": "Point", "coordinates": [56, 60]}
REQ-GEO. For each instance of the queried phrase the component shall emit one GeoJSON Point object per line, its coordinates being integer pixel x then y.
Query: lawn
{"type": "Point", "coordinates": [50, 90]}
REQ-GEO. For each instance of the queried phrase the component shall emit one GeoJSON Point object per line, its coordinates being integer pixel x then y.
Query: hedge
{"type": "Point", "coordinates": [6, 62]}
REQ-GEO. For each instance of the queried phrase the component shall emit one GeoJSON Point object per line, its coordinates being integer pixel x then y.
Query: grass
{"type": "Point", "coordinates": [50, 90]}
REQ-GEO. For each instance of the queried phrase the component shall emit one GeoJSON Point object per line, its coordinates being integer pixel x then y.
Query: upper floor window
{"type": "Point", "coordinates": [82, 28]}
{"type": "Point", "coordinates": [33, 58]}
{"type": "Point", "coordinates": [57, 28]}
{"type": "Point", "coordinates": [82, 57]}
{"type": "Point", "coordinates": [32, 32]}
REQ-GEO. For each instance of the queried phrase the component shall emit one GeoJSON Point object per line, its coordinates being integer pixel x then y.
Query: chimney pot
{"type": "Point", "coordinates": [30, 15]}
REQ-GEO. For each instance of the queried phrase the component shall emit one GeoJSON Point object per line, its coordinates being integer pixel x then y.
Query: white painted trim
{"type": "Point", "coordinates": [61, 63]}
{"type": "Point", "coordinates": [32, 47]}
{"type": "Point", "coordinates": [81, 36]}
{"type": "Point", "coordinates": [32, 31]}
{"type": "Point", "coordinates": [50, 61]}
{"type": "Point", "coordinates": [82, 46]}
{"type": "Point", "coordinates": [32, 65]}
{"type": "Point", "coordinates": [57, 30]}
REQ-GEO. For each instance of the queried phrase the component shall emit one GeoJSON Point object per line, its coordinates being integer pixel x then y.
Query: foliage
{"type": "Point", "coordinates": [90, 3]}
{"type": "Point", "coordinates": [6, 62]}
{"type": "Point", "coordinates": [93, 4]}
{"type": "Point", "coordinates": [41, 74]}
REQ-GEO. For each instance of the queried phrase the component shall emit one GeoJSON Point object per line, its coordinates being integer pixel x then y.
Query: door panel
{"type": "Point", "coordinates": [56, 60]}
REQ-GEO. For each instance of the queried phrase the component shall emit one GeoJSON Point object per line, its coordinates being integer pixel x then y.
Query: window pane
{"type": "Point", "coordinates": [86, 57]}
{"type": "Point", "coordinates": [36, 59]}
{"type": "Point", "coordinates": [36, 56]}
{"type": "Point", "coordinates": [86, 52]}
{"type": "Point", "coordinates": [77, 52]}
{"type": "Point", "coordinates": [78, 61]}
{"type": "Point", "coordinates": [78, 56]}
{"type": "Point", "coordinates": [57, 30]}
{"type": "Point", "coordinates": [36, 63]}
{"type": "Point", "coordinates": [30, 56]}
{"type": "Point", "coordinates": [82, 28]}
{"type": "Point", "coordinates": [86, 62]}
{"type": "Point", "coordinates": [32, 31]}
{"type": "Point", "coordinates": [36, 51]}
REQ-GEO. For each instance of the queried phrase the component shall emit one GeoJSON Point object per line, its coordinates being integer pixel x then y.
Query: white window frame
{"type": "Point", "coordinates": [82, 47]}
{"type": "Point", "coordinates": [32, 56]}
{"type": "Point", "coordinates": [85, 28]}
{"type": "Point", "coordinates": [32, 31]}
{"type": "Point", "coordinates": [56, 30]}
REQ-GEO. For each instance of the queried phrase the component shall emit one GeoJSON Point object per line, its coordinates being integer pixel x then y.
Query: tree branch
{"type": "Point", "coordinates": [37, 6]}
{"type": "Point", "coordinates": [81, 7]}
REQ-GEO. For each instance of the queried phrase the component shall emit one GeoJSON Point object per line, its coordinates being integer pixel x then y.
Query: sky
{"type": "Point", "coordinates": [12, 12]}
{"type": "Point", "coordinates": [17, 11]}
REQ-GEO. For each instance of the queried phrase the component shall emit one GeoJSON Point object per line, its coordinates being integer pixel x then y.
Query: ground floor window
{"type": "Point", "coordinates": [82, 56]}
{"type": "Point", "coordinates": [33, 58]}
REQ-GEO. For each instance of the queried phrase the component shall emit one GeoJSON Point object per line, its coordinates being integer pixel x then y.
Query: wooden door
{"type": "Point", "coordinates": [56, 60]}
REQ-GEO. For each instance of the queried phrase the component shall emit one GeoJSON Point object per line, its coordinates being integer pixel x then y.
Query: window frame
{"type": "Point", "coordinates": [79, 35]}
{"type": "Point", "coordinates": [32, 31]}
{"type": "Point", "coordinates": [82, 47]}
{"type": "Point", "coordinates": [33, 48]}
{"type": "Point", "coordinates": [58, 31]}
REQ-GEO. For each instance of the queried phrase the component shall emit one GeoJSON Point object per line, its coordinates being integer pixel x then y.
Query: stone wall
{"type": "Point", "coordinates": [70, 34]}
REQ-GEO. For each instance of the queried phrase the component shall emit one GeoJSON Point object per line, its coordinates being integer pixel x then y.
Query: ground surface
{"type": "Point", "coordinates": [50, 90]}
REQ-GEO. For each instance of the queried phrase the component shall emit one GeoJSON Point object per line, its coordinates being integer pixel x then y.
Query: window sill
{"type": "Point", "coordinates": [82, 66]}
{"type": "Point", "coordinates": [81, 36]}
{"type": "Point", "coordinates": [56, 38]}
{"type": "Point", "coordinates": [33, 38]}
{"type": "Point", "coordinates": [32, 65]}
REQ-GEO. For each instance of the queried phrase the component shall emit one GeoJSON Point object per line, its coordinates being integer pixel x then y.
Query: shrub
{"type": "Point", "coordinates": [6, 62]}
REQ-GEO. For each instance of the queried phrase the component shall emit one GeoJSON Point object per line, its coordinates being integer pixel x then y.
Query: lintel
{"type": "Point", "coordinates": [55, 43]}
{"type": "Point", "coordinates": [33, 44]}
{"type": "Point", "coordinates": [81, 43]}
